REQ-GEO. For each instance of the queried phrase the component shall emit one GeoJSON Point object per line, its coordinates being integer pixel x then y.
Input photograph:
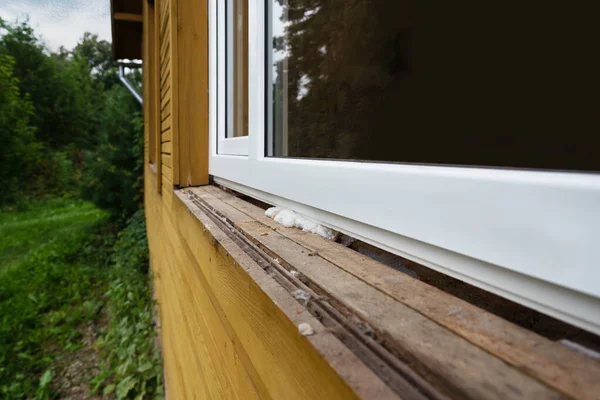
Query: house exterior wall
{"type": "Point", "coordinates": [222, 335]}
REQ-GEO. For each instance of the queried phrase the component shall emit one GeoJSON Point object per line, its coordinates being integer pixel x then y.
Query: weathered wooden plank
{"type": "Point", "coordinates": [167, 147]}
{"type": "Point", "coordinates": [439, 354]}
{"type": "Point", "coordinates": [183, 251]}
{"type": "Point", "coordinates": [286, 363]}
{"type": "Point", "coordinates": [165, 124]}
{"type": "Point", "coordinates": [551, 363]}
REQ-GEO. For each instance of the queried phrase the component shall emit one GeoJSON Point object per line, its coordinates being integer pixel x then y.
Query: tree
{"type": "Point", "coordinates": [98, 54]}
{"type": "Point", "coordinates": [19, 151]}
{"type": "Point", "coordinates": [59, 86]}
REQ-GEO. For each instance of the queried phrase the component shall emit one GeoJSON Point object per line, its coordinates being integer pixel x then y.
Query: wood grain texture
{"type": "Point", "coordinates": [166, 136]}
{"type": "Point", "coordinates": [165, 110]}
{"type": "Point", "coordinates": [167, 147]}
{"type": "Point", "coordinates": [551, 363]}
{"type": "Point", "coordinates": [165, 99]}
{"type": "Point", "coordinates": [175, 84]}
{"type": "Point", "coordinates": [166, 160]}
{"type": "Point", "coordinates": [192, 111]}
{"type": "Point", "coordinates": [167, 172]}
{"type": "Point", "coordinates": [451, 362]}
{"type": "Point", "coordinates": [119, 16]}
{"type": "Point", "coordinates": [233, 278]}
{"type": "Point", "coordinates": [149, 86]}
{"type": "Point", "coordinates": [165, 124]}
{"type": "Point", "coordinates": [223, 335]}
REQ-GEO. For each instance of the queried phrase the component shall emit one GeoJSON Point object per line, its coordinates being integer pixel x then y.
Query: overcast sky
{"type": "Point", "coordinates": [61, 22]}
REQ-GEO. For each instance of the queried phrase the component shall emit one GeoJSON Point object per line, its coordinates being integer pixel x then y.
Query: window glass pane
{"type": "Point", "coordinates": [237, 68]}
{"type": "Point", "coordinates": [509, 84]}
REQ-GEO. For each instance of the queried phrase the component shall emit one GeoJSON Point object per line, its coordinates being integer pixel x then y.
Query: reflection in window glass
{"type": "Point", "coordinates": [474, 84]}
{"type": "Point", "coordinates": [237, 68]}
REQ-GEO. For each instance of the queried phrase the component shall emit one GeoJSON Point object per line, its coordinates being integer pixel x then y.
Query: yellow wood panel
{"type": "Point", "coordinates": [167, 172]}
{"type": "Point", "coordinates": [164, 32]}
{"type": "Point", "coordinates": [166, 136]}
{"type": "Point", "coordinates": [119, 16]}
{"type": "Point", "coordinates": [164, 7]}
{"type": "Point", "coordinates": [222, 336]}
{"type": "Point", "coordinates": [155, 109]}
{"type": "Point", "coordinates": [165, 46]}
{"type": "Point", "coordinates": [165, 109]}
{"type": "Point", "coordinates": [175, 84]}
{"type": "Point", "coordinates": [167, 193]}
{"type": "Point", "coordinates": [285, 361]}
{"type": "Point", "coordinates": [165, 124]}
{"type": "Point", "coordinates": [166, 160]}
{"type": "Point", "coordinates": [165, 75]}
{"type": "Point", "coordinates": [165, 97]}
{"type": "Point", "coordinates": [192, 20]}
{"type": "Point", "coordinates": [207, 350]}
{"type": "Point", "coordinates": [167, 147]}
{"type": "Point", "coordinates": [149, 86]}
{"type": "Point", "coordinates": [164, 16]}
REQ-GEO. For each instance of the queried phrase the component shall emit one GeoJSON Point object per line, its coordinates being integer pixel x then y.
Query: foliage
{"type": "Point", "coordinates": [19, 151]}
{"type": "Point", "coordinates": [67, 123]}
{"type": "Point", "coordinates": [112, 176]}
{"type": "Point", "coordinates": [46, 294]}
{"type": "Point", "coordinates": [133, 367]}
{"type": "Point", "coordinates": [73, 270]}
{"type": "Point", "coordinates": [68, 130]}
{"type": "Point", "coordinates": [60, 88]}
{"type": "Point", "coordinates": [40, 224]}
{"type": "Point", "coordinates": [98, 55]}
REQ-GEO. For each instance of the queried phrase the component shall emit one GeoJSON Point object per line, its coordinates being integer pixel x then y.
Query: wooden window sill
{"type": "Point", "coordinates": [385, 333]}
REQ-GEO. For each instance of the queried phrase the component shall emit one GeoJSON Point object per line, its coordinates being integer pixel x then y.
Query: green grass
{"type": "Point", "coordinates": [24, 231]}
{"type": "Point", "coordinates": [49, 283]}
{"type": "Point", "coordinates": [61, 266]}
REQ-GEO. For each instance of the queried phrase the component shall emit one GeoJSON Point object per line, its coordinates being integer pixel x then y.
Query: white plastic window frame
{"type": "Point", "coordinates": [529, 236]}
{"type": "Point", "coordinates": [227, 144]}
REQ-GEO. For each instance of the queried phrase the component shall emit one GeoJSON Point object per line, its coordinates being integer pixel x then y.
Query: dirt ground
{"type": "Point", "coordinates": [74, 370]}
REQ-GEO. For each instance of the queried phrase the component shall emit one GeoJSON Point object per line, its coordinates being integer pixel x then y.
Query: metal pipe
{"type": "Point", "coordinates": [129, 85]}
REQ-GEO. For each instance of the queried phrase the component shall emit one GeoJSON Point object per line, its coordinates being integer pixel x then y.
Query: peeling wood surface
{"type": "Point", "coordinates": [550, 363]}
{"type": "Point", "coordinates": [228, 329]}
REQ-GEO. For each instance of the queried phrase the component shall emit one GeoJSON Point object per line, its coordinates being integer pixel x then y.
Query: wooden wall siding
{"type": "Point", "coordinates": [167, 173]}
{"type": "Point", "coordinates": [149, 86]}
{"type": "Point", "coordinates": [229, 330]}
{"type": "Point", "coordinates": [192, 70]}
{"type": "Point", "coordinates": [223, 337]}
{"type": "Point", "coordinates": [554, 365]}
